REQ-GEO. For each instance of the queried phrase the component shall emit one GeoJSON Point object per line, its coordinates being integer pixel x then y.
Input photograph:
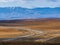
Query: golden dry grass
{"type": "Point", "coordinates": [10, 33]}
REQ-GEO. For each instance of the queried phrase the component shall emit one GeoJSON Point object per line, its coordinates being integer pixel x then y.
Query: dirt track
{"type": "Point", "coordinates": [33, 34]}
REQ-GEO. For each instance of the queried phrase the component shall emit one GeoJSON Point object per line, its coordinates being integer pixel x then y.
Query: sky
{"type": "Point", "coordinates": [30, 3]}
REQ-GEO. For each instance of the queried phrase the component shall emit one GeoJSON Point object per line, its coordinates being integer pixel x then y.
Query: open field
{"type": "Point", "coordinates": [42, 30]}
{"type": "Point", "coordinates": [11, 33]}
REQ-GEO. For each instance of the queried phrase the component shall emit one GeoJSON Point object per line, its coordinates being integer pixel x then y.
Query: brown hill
{"type": "Point", "coordinates": [43, 23]}
{"type": "Point", "coordinates": [49, 22]}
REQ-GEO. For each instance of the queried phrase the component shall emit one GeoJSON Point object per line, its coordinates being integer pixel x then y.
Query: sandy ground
{"type": "Point", "coordinates": [50, 29]}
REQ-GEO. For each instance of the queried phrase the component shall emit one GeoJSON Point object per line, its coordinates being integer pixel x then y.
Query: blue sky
{"type": "Point", "coordinates": [30, 3]}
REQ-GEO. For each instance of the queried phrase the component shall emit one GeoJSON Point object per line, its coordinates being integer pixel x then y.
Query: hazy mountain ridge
{"type": "Point", "coordinates": [24, 13]}
{"type": "Point", "coordinates": [39, 10]}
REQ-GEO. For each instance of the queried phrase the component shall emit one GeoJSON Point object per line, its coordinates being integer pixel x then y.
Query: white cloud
{"type": "Point", "coordinates": [53, 0]}
{"type": "Point", "coordinates": [30, 3]}
{"type": "Point", "coordinates": [6, 0]}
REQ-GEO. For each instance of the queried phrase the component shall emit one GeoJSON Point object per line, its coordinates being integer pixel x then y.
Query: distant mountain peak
{"type": "Point", "coordinates": [25, 13]}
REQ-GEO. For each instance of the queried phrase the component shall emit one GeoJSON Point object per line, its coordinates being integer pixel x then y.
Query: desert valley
{"type": "Point", "coordinates": [36, 30]}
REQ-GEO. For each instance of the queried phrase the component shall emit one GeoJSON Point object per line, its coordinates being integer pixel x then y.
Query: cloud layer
{"type": "Point", "coordinates": [30, 3]}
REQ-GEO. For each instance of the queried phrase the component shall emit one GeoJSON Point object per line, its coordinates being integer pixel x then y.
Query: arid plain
{"type": "Point", "coordinates": [37, 30]}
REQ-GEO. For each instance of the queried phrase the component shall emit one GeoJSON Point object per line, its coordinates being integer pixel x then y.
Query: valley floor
{"type": "Point", "coordinates": [48, 32]}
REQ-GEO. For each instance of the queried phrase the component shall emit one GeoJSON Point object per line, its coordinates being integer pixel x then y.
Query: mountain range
{"type": "Point", "coordinates": [9, 13]}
